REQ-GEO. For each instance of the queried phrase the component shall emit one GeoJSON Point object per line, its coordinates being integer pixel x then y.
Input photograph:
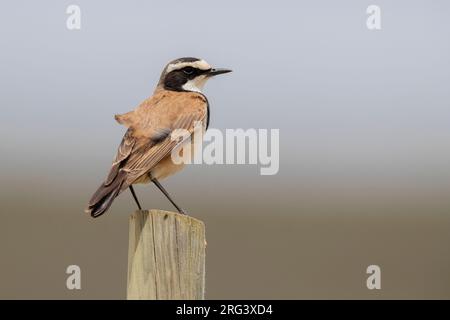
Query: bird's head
{"type": "Point", "coordinates": [187, 74]}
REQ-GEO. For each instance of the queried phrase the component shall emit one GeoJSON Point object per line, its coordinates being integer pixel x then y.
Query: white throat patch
{"type": "Point", "coordinates": [195, 84]}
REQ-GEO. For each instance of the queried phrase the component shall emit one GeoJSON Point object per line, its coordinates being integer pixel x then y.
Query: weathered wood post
{"type": "Point", "coordinates": [166, 256]}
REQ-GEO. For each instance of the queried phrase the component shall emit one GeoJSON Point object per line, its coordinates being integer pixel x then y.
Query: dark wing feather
{"type": "Point", "coordinates": [125, 148]}
{"type": "Point", "coordinates": [111, 182]}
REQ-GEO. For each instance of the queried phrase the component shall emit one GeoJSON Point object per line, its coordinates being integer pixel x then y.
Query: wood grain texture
{"type": "Point", "coordinates": [166, 256]}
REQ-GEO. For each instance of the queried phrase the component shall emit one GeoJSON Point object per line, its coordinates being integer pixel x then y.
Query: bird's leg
{"type": "Point", "coordinates": [160, 187]}
{"type": "Point", "coordinates": [134, 196]}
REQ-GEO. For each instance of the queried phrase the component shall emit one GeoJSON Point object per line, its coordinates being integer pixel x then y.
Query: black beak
{"type": "Point", "coordinates": [215, 72]}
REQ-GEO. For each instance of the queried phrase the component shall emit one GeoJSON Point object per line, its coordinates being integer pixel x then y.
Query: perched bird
{"type": "Point", "coordinates": [144, 154]}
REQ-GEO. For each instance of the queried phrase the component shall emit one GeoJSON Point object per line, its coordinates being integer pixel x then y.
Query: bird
{"type": "Point", "coordinates": [144, 154]}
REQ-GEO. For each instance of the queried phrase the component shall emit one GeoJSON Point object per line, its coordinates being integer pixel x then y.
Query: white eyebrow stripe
{"type": "Point", "coordinates": [199, 64]}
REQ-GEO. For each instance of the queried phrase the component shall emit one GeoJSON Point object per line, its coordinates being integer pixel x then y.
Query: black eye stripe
{"type": "Point", "coordinates": [188, 70]}
{"type": "Point", "coordinates": [175, 79]}
{"type": "Point", "coordinates": [193, 71]}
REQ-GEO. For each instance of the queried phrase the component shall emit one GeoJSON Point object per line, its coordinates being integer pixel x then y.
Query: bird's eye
{"type": "Point", "coordinates": [188, 70]}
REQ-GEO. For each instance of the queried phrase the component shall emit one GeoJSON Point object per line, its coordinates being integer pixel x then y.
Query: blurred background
{"type": "Point", "coordinates": [364, 144]}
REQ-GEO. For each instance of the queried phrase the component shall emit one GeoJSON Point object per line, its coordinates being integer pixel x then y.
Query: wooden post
{"type": "Point", "coordinates": [166, 256]}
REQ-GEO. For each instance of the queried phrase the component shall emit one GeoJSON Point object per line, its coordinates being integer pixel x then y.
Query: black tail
{"type": "Point", "coordinates": [104, 196]}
